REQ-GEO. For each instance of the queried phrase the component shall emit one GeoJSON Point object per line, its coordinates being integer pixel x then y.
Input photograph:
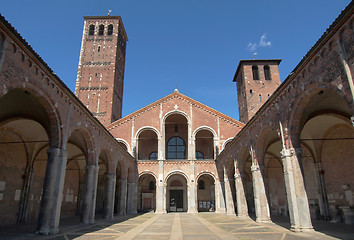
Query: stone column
{"type": "Point", "coordinates": [123, 197]}
{"type": "Point", "coordinates": [220, 200]}
{"type": "Point", "coordinates": [160, 190]}
{"type": "Point", "coordinates": [260, 197]}
{"type": "Point", "coordinates": [230, 207]}
{"type": "Point", "coordinates": [89, 196]}
{"type": "Point", "coordinates": [242, 208]}
{"type": "Point", "coordinates": [110, 188]}
{"type": "Point", "coordinates": [49, 214]}
{"type": "Point", "coordinates": [192, 190]}
{"type": "Point", "coordinates": [299, 211]}
{"type": "Point", "coordinates": [132, 198]}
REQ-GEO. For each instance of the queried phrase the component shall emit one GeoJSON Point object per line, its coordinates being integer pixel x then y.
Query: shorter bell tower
{"type": "Point", "coordinates": [256, 80]}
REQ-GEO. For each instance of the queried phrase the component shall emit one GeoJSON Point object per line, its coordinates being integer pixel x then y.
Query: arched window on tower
{"type": "Point", "coordinates": [255, 72]}
{"type": "Point", "coordinates": [267, 73]}
{"type": "Point", "coordinates": [110, 30]}
{"type": "Point", "coordinates": [101, 29]}
{"type": "Point", "coordinates": [92, 30]}
{"type": "Point", "coordinates": [176, 148]}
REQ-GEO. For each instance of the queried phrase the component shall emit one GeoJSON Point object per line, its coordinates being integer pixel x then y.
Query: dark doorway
{"type": "Point", "coordinates": [176, 200]}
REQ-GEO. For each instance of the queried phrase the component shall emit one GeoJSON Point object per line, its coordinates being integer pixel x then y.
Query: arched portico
{"type": "Point", "coordinates": [176, 192]}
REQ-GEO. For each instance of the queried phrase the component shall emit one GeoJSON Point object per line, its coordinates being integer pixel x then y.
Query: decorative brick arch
{"type": "Point", "coordinates": [205, 128]}
{"type": "Point", "coordinates": [205, 173]}
{"type": "Point", "coordinates": [147, 172]}
{"type": "Point", "coordinates": [147, 128]}
{"type": "Point", "coordinates": [90, 143]}
{"type": "Point", "coordinates": [54, 130]}
{"type": "Point", "coordinates": [176, 172]}
{"type": "Point", "coordinates": [123, 141]}
{"type": "Point", "coordinates": [302, 101]}
{"type": "Point", "coordinates": [176, 112]}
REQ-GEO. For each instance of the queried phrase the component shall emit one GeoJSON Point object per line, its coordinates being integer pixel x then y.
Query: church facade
{"type": "Point", "coordinates": [65, 155]}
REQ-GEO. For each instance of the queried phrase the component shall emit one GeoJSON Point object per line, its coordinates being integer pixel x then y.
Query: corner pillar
{"type": "Point", "coordinates": [220, 200]}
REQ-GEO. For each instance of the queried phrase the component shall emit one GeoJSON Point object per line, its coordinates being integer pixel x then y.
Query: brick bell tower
{"type": "Point", "coordinates": [256, 80]}
{"type": "Point", "coordinates": [100, 76]}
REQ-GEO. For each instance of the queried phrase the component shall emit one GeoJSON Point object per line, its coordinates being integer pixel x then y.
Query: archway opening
{"type": "Point", "coordinates": [206, 193]}
{"type": "Point", "coordinates": [204, 144]}
{"type": "Point", "coordinates": [176, 194]}
{"type": "Point", "coordinates": [26, 132]}
{"type": "Point", "coordinates": [146, 193]}
{"type": "Point", "coordinates": [176, 135]}
{"type": "Point", "coordinates": [147, 145]}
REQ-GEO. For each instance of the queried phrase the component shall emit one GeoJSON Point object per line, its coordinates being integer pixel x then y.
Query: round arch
{"type": "Point", "coordinates": [296, 117]}
{"type": "Point", "coordinates": [124, 142]}
{"type": "Point", "coordinates": [227, 141]}
{"type": "Point", "coordinates": [148, 172]}
{"type": "Point", "coordinates": [205, 128]}
{"type": "Point", "coordinates": [147, 128]}
{"type": "Point", "coordinates": [176, 112]}
{"type": "Point", "coordinates": [168, 175]}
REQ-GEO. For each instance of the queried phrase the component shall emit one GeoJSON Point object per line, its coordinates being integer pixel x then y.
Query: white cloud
{"type": "Point", "coordinates": [252, 47]}
{"type": "Point", "coordinates": [263, 42]}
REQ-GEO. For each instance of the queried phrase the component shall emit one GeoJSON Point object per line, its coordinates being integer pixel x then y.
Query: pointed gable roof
{"type": "Point", "coordinates": [173, 95]}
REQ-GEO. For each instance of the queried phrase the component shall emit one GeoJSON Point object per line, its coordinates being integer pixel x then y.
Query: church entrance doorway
{"type": "Point", "coordinates": [176, 199]}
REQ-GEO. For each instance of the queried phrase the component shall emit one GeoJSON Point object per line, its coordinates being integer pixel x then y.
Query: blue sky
{"type": "Point", "coordinates": [195, 45]}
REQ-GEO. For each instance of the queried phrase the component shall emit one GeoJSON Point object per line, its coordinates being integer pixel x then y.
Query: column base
{"type": "Point", "coordinates": [243, 216]}
{"type": "Point", "coordinates": [222, 210]}
{"type": "Point", "coordinates": [301, 229]}
{"type": "Point", "coordinates": [263, 220]}
{"type": "Point", "coordinates": [192, 211]}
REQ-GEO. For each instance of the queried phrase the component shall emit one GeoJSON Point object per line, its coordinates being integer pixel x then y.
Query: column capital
{"type": "Point", "coordinates": [286, 153]}
{"type": "Point", "coordinates": [255, 168]}
{"type": "Point", "coordinates": [237, 175]}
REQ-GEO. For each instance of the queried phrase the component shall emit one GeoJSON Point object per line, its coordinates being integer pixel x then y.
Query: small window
{"type": "Point", "coordinates": [99, 48]}
{"type": "Point", "coordinates": [251, 92]}
{"type": "Point", "coordinates": [151, 185]}
{"type": "Point", "coordinates": [255, 72]}
{"type": "Point", "coordinates": [267, 73]}
{"type": "Point", "coordinates": [92, 30]}
{"type": "Point", "coordinates": [110, 30]}
{"type": "Point", "coordinates": [101, 30]}
{"type": "Point", "coordinates": [201, 184]}
{"type": "Point", "coordinates": [153, 156]}
{"type": "Point", "coordinates": [199, 155]}
{"type": "Point", "coordinates": [260, 97]}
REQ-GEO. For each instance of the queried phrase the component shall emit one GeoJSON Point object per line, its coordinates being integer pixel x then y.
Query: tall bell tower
{"type": "Point", "coordinates": [100, 77]}
{"type": "Point", "coordinates": [256, 81]}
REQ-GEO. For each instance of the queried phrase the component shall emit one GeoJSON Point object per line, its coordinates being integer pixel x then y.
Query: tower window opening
{"type": "Point", "coordinates": [267, 74]}
{"type": "Point", "coordinates": [251, 92]}
{"type": "Point", "coordinates": [110, 30]}
{"type": "Point", "coordinates": [99, 48]}
{"type": "Point", "coordinates": [260, 97]}
{"type": "Point", "coordinates": [92, 30]}
{"type": "Point", "coordinates": [255, 72]}
{"type": "Point", "coordinates": [101, 29]}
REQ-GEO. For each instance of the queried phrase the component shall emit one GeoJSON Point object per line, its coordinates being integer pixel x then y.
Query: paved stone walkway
{"type": "Point", "coordinates": [176, 226]}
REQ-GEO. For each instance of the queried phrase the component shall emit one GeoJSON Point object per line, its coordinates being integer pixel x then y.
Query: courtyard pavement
{"type": "Point", "coordinates": [175, 226]}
